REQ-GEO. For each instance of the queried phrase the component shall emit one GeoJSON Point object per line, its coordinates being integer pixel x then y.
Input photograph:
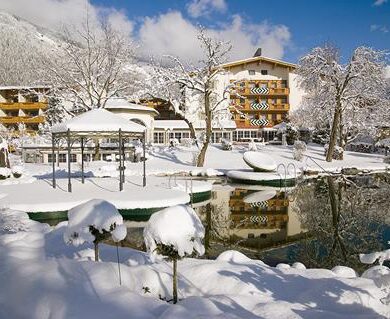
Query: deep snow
{"type": "Point", "coordinates": [42, 277]}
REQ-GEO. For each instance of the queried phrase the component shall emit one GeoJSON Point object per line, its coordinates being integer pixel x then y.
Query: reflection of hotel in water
{"type": "Point", "coordinates": [263, 223]}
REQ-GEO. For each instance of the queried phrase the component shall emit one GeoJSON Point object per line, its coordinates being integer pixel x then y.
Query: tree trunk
{"type": "Point", "coordinates": [174, 281]}
{"type": "Point", "coordinates": [207, 232]}
{"type": "Point", "coordinates": [333, 134]}
{"type": "Point", "coordinates": [96, 251]}
{"type": "Point", "coordinates": [202, 154]}
{"type": "Point", "coordinates": [341, 135]}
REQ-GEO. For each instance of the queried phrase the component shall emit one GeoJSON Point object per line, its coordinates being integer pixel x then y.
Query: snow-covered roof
{"type": "Point", "coordinates": [257, 59]}
{"type": "Point", "coordinates": [24, 87]}
{"type": "Point", "coordinates": [121, 103]}
{"type": "Point", "coordinates": [98, 120]}
{"type": "Point", "coordinates": [180, 124]}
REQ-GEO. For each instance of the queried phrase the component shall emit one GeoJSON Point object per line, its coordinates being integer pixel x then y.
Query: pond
{"type": "Point", "coordinates": [321, 222]}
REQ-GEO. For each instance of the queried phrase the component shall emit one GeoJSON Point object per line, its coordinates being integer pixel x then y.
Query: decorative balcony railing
{"type": "Point", "coordinates": [23, 106]}
{"type": "Point", "coordinates": [22, 119]}
{"type": "Point", "coordinates": [266, 105]}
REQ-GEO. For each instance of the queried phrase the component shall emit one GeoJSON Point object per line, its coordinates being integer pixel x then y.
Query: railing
{"type": "Point", "coordinates": [260, 106]}
{"type": "Point", "coordinates": [21, 119]}
{"type": "Point", "coordinates": [23, 106]}
{"type": "Point", "coordinates": [263, 91]}
{"type": "Point", "coordinates": [189, 187]}
{"type": "Point", "coordinates": [253, 123]}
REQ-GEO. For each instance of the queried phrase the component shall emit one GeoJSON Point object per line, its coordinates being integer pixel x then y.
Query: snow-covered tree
{"type": "Point", "coordinates": [192, 90]}
{"type": "Point", "coordinates": [55, 112]}
{"type": "Point", "coordinates": [346, 96]}
{"type": "Point", "coordinates": [174, 232]}
{"type": "Point", "coordinates": [93, 222]}
{"type": "Point", "coordinates": [93, 65]}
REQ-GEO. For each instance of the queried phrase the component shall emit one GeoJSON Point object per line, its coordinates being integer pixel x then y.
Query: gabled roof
{"type": "Point", "coordinates": [98, 120]}
{"type": "Point", "coordinates": [259, 59]}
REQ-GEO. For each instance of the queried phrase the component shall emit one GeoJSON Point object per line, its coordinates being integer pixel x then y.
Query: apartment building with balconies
{"type": "Point", "coordinates": [25, 105]}
{"type": "Point", "coordinates": [265, 91]}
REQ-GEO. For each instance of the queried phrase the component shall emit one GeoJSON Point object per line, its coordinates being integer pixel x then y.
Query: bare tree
{"type": "Point", "coordinates": [197, 96]}
{"type": "Point", "coordinates": [87, 71]}
{"type": "Point", "coordinates": [344, 92]}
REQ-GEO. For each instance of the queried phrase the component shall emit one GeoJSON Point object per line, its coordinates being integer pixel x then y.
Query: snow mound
{"type": "Point", "coordinates": [209, 172]}
{"type": "Point", "coordinates": [233, 256]}
{"type": "Point", "coordinates": [13, 221]}
{"type": "Point", "coordinates": [98, 213]}
{"type": "Point", "coordinates": [299, 266]}
{"type": "Point", "coordinates": [283, 266]}
{"type": "Point", "coordinates": [379, 274]}
{"type": "Point", "coordinates": [344, 272]}
{"type": "Point", "coordinates": [178, 226]}
{"type": "Point", "coordinates": [259, 162]}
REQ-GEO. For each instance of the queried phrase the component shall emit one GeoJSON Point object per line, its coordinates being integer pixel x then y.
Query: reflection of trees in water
{"type": "Point", "coordinates": [344, 217]}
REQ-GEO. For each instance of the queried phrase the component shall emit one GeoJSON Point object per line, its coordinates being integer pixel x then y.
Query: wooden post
{"type": "Point", "coordinates": [53, 159]}
{"type": "Point", "coordinates": [69, 181]}
{"type": "Point", "coordinates": [123, 161]}
{"type": "Point", "coordinates": [144, 158]}
{"type": "Point", "coordinates": [82, 160]}
{"type": "Point", "coordinates": [120, 160]}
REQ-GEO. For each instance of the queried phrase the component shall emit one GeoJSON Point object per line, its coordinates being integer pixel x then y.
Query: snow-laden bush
{"type": "Point", "coordinates": [187, 142]}
{"type": "Point", "coordinates": [17, 171]}
{"type": "Point", "coordinates": [252, 146]}
{"type": "Point", "coordinates": [4, 173]}
{"type": "Point", "coordinates": [379, 274]}
{"type": "Point", "coordinates": [292, 134]}
{"type": "Point", "coordinates": [174, 232]}
{"type": "Point", "coordinates": [299, 150]}
{"type": "Point", "coordinates": [338, 152]}
{"type": "Point", "coordinates": [93, 222]}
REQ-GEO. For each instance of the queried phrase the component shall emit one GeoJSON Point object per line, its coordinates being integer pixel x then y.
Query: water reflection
{"type": "Point", "coordinates": [322, 222]}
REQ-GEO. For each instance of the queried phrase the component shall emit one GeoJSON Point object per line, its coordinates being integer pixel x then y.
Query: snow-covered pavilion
{"type": "Point", "coordinates": [97, 124]}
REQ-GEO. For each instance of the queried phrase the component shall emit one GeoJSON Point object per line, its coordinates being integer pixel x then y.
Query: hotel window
{"type": "Point", "coordinates": [73, 158]}
{"type": "Point", "coordinates": [242, 101]}
{"type": "Point", "coordinates": [284, 100]}
{"type": "Point", "coordinates": [284, 84]}
{"type": "Point", "coordinates": [264, 72]}
{"type": "Point", "coordinates": [62, 158]}
{"type": "Point", "coordinates": [274, 117]}
{"type": "Point", "coordinates": [50, 158]}
{"type": "Point", "coordinates": [252, 72]}
{"type": "Point", "coordinates": [263, 85]}
{"type": "Point", "coordinates": [240, 135]}
{"type": "Point", "coordinates": [247, 134]}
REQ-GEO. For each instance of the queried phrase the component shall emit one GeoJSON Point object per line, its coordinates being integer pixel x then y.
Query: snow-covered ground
{"type": "Point", "coordinates": [42, 277]}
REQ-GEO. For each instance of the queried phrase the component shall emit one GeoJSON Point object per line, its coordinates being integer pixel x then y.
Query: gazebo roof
{"type": "Point", "coordinates": [98, 121]}
{"type": "Point", "coordinates": [117, 103]}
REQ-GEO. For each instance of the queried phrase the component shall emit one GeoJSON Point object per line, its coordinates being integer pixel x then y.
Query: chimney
{"type": "Point", "coordinates": [257, 53]}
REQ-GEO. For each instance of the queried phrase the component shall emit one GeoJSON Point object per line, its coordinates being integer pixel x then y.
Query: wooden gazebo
{"type": "Point", "coordinates": [97, 124]}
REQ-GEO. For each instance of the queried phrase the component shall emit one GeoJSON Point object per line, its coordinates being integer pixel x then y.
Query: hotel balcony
{"type": "Point", "coordinates": [22, 119]}
{"type": "Point", "coordinates": [267, 105]}
{"type": "Point", "coordinates": [255, 88]}
{"type": "Point", "coordinates": [23, 106]}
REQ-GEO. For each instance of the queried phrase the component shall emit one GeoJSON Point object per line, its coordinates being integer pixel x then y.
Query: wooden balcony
{"type": "Point", "coordinates": [262, 87]}
{"type": "Point", "coordinates": [253, 123]}
{"type": "Point", "coordinates": [23, 106]}
{"type": "Point", "coordinates": [262, 91]}
{"type": "Point", "coordinates": [268, 105]}
{"type": "Point", "coordinates": [22, 119]}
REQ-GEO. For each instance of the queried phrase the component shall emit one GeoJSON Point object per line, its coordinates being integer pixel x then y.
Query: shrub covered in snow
{"type": "Point", "coordinates": [17, 171]}
{"type": "Point", "coordinates": [174, 232]}
{"type": "Point", "coordinates": [252, 146]}
{"type": "Point", "coordinates": [299, 150]}
{"type": "Point", "coordinates": [187, 142]}
{"type": "Point", "coordinates": [292, 134]}
{"type": "Point", "coordinates": [379, 274]}
{"type": "Point", "coordinates": [93, 222]}
{"type": "Point", "coordinates": [4, 173]}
